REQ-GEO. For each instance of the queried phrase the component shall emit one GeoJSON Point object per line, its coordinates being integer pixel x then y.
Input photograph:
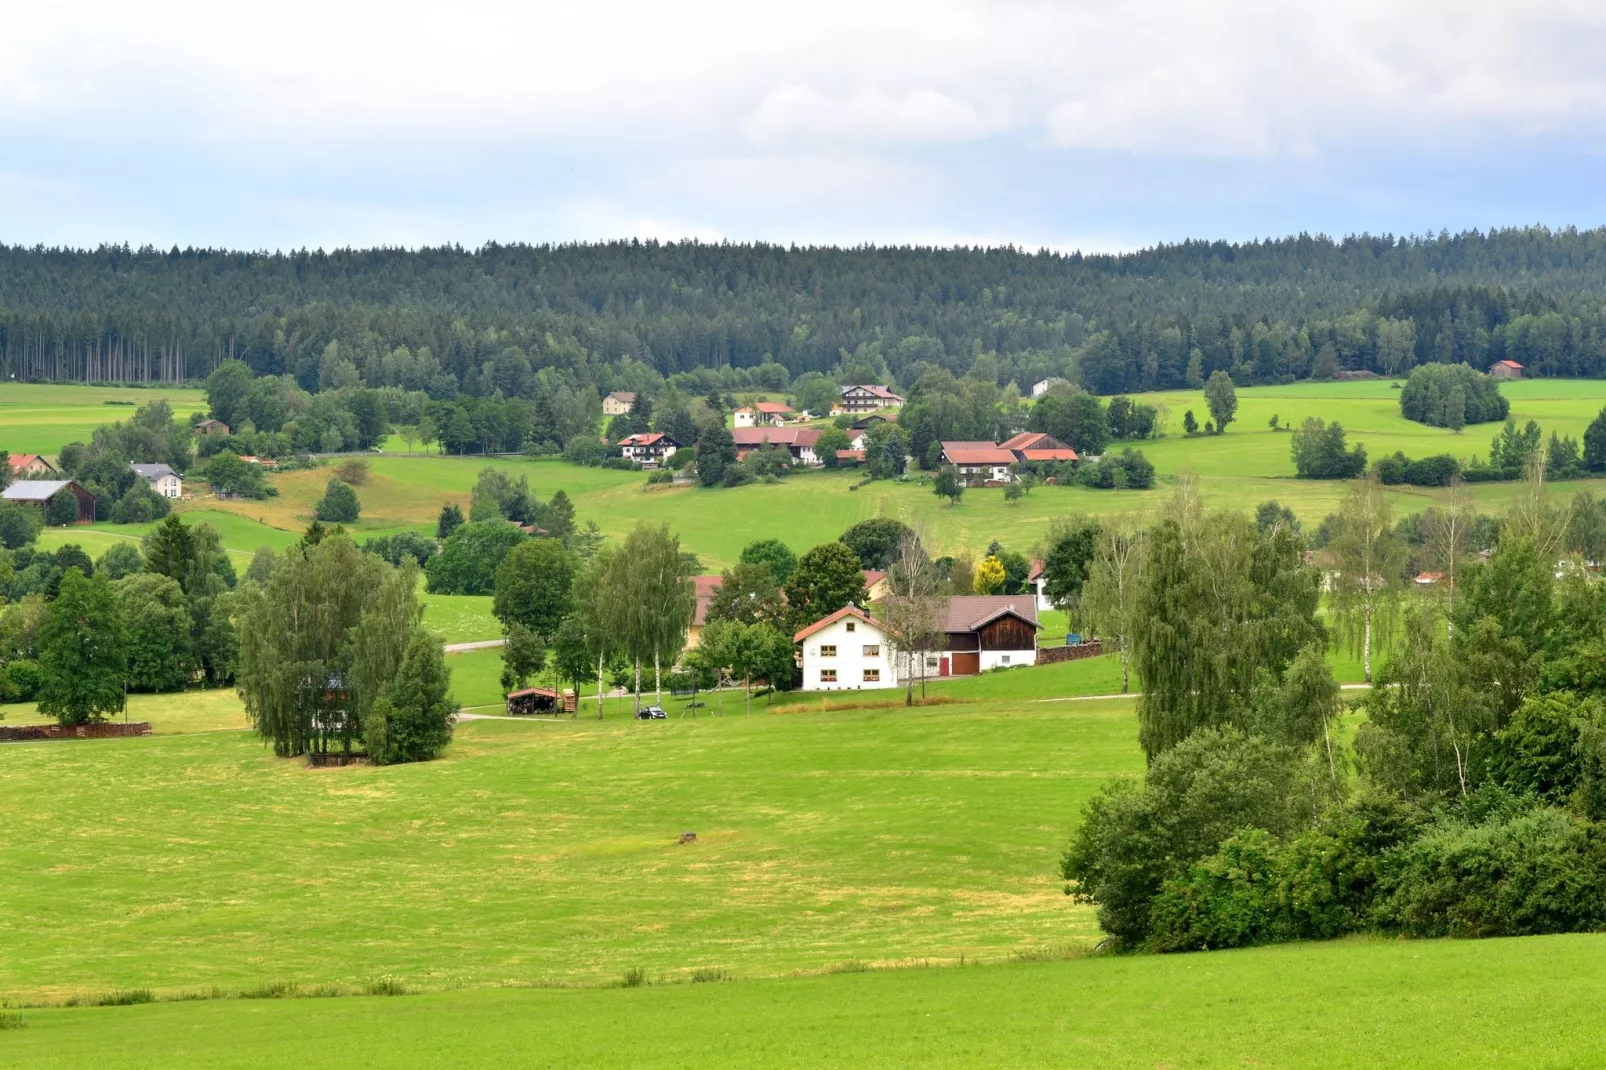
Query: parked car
{"type": "Point", "coordinates": [651, 713]}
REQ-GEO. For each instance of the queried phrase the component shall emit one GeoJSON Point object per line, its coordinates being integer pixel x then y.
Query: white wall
{"type": "Point", "coordinates": [850, 660]}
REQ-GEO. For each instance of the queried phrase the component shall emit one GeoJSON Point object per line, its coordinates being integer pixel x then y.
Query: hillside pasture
{"type": "Point", "coordinates": [42, 418]}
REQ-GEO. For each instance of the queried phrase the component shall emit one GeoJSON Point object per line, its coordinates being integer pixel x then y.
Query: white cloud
{"type": "Point", "coordinates": [801, 113]}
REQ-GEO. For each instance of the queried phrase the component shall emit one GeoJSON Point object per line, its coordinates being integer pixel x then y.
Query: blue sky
{"type": "Point", "coordinates": [1098, 125]}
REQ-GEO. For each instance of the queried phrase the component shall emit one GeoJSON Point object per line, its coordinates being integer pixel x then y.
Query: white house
{"type": "Point", "coordinates": [1036, 580]}
{"type": "Point", "coordinates": [847, 651]}
{"type": "Point", "coordinates": [648, 449]}
{"type": "Point", "coordinates": [762, 413]}
{"type": "Point", "coordinates": [799, 441]}
{"type": "Point", "coordinates": [980, 462]}
{"type": "Point", "coordinates": [163, 480]}
{"type": "Point", "coordinates": [866, 398]}
{"type": "Point", "coordinates": [1043, 386]}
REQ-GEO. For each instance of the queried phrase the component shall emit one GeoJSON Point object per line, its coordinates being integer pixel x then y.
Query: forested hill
{"type": "Point", "coordinates": [624, 315]}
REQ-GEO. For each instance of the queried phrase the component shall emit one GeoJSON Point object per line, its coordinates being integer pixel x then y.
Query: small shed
{"type": "Point", "coordinates": [1506, 369]}
{"type": "Point", "coordinates": [532, 700]}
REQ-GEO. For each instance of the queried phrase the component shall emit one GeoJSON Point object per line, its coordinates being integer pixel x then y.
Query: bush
{"type": "Point", "coordinates": [1450, 395]}
{"type": "Point", "coordinates": [62, 509]}
{"type": "Point", "coordinates": [1438, 470]}
{"type": "Point", "coordinates": [22, 681]}
{"type": "Point", "coordinates": [588, 450]}
{"type": "Point", "coordinates": [354, 472]}
{"type": "Point", "coordinates": [140, 504]}
{"type": "Point", "coordinates": [470, 556]}
{"type": "Point", "coordinates": [339, 504]}
{"type": "Point", "coordinates": [1128, 470]}
{"type": "Point", "coordinates": [393, 548]}
{"type": "Point", "coordinates": [1196, 795]}
{"type": "Point", "coordinates": [1540, 872]}
{"type": "Point", "coordinates": [19, 525]}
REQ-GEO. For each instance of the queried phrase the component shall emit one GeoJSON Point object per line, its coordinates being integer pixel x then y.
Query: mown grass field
{"type": "Point", "coordinates": [42, 418]}
{"type": "Point", "coordinates": [546, 852]}
{"type": "Point", "coordinates": [1361, 1004]}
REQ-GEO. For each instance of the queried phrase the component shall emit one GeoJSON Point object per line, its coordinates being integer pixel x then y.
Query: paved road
{"type": "Point", "coordinates": [483, 644]}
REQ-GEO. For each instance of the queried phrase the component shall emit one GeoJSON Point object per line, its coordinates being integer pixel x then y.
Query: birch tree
{"type": "Point", "coordinates": [915, 609]}
{"type": "Point", "coordinates": [1111, 595]}
{"type": "Point", "coordinates": [1368, 560]}
{"type": "Point", "coordinates": [1449, 531]}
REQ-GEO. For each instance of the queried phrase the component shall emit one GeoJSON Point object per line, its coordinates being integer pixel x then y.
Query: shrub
{"type": "Point", "coordinates": [354, 472]}
{"type": "Point", "coordinates": [127, 997]}
{"type": "Point", "coordinates": [1196, 795]}
{"type": "Point", "coordinates": [22, 681]}
{"type": "Point", "coordinates": [386, 986]}
{"type": "Point", "coordinates": [140, 504]}
{"type": "Point", "coordinates": [339, 504]}
{"type": "Point", "coordinates": [1226, 900]}
{"type": "Point", "coordinates": [635, 977]}
{"type": "Point", "coordinates": [588, 450]}
{"type": "Point", "coordinates": [62, 509]}
{"type": "Point", "coordinates": [1540, 872]}
{"type": "Point", "coordinates": [19, 525]}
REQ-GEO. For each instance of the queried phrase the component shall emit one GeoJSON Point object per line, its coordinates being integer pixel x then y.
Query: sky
{"type": "Point", "coordinates": [1100, 125]}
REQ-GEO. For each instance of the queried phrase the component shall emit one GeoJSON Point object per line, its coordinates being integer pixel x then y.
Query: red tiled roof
{"type": "Point", "coordinates": [1507, 364]}
{"type": "Point", "coordinates": [823, 622]}
{"type": "Point", "coordinates": [772, 407]}
{"type": "Point", "coordinates": [988, 455]}
{"type": "Point", "coordinates": [850, 455]}
{"type": "Point", "coordinates": [1037, 570]}
{"type": "Point", "coordinates": [645, 438]}
{"type": "Point", "coordinates": [775, 436]}
{"type": "Point", "coordinates": [969, 445]}
{"type": "Point", "coordinates": [1066, 454]}
{"type": "Point", "coordinates": [19, 461]}
{"type": "Point", "coordinates": [872, 577]}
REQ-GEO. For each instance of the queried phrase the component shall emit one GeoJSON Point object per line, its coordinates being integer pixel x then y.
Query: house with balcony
{"type": "Point", "coordinates": [648, 449]}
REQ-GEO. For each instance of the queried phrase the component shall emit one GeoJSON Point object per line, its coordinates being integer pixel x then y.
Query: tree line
{"type": "Point", "coordinates": [589, 319]}
{"type": "Point", "coordinates": [1470, 802]}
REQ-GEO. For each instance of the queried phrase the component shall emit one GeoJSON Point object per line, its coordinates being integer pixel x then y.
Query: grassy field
{"type": "Point", "coordinates": [1248, 465]}
{"type": "Point", "coordinates": [41, 418]}
{"type": "Point", "coordinates": [546, 851]}
{"type": "Point", "coordinates": [1360, 1004]}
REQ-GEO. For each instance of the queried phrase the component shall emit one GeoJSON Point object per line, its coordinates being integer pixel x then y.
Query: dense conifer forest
{"type": "Point", "coordinates": [627, 315]}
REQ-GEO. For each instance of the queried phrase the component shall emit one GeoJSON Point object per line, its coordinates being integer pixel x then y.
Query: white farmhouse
{"type": "Point", "coordinates": [846, 651]}
{"type": "Point", "coordinates": [163, 480]}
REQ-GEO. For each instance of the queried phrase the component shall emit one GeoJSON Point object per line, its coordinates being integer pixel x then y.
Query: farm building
{"type": "Point", "coordinates": [846, 651]}
{"type": "Point", "coordinates": [1506, 369]}
{"type": "Point", "coordinates": [979, 462]}
{"type": "Point", "coordinates": [163, 480]}
{"type": "Point", "coordinates": [38, 492]}
{"type": "Point", "coordinates": [210, 427]}
{"type": "Point", "coordinates": [30, 466]}
{"type": "Point", "coordinates": [988, 632]}
{"type": "Point", "coordinates": [618, 403]}
{"type": "Point", "coordinates": [799, 441]}
{"type": "Point", "coordinates": [763, 414]}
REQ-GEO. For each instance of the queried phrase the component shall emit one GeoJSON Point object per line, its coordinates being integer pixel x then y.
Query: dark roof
{"type": "Point", "coordinates": [968, 612]}
{"type": "Point", "coordinates": [152, 471]}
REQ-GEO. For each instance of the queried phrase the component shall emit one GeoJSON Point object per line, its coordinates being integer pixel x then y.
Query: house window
{"type": "Point", "coordinates": [1004, 660]}
{"type": "Point", "coordinates": [872, 676]}
{"type": "Point", "coordinates": [850, 625]}
{"type": "Point", "coordinates": [872, 650]}
{"type": "Point", "coordinates": [827, 676]}
{"type": "Point", "coordinates": [931, 661]}
{"type": "Point", "coordinates": [827, 651]}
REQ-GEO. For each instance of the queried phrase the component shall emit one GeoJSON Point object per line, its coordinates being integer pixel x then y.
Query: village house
{"type": "Point", "coordinates": [876, 584]}
{"type": "Point", "coordinates": [648, 449]}
{"type": "Point", "coordinates": [1035, 582]}
{"type": "Point", "coordinates": [1506, 369]}
{"type": "Point", "coordinates": [705, 587]}
{"type": "Point", "coordinates": [163, 480]}
{"type": "Point", "coordinates": [799, 442]}
{"type": "Point", "coordinates": [618, 403]}
{"type": "Point", "coordinates": [987, 632]}
{"type": "Point", "coordinates": [38, 492]}
{"type": "Point", "coordinates": [1043, 386]}
{"type": "Point", "coordinates": [866, 399]}
{"type": "Point", "coordinates": [763, 413]}
{"type": "Point", "coordinates": [979, 462]}
{"type": "Point", "coordinates": [846, 651]}
{"type": "Point", "coordinates": [30, 466]}
{"type": "Point", "coordinates": [210, 426]}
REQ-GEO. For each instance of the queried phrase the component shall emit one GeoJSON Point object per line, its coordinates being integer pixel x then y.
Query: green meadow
{"type": "Point", "coordinates": [1248, 465]}
{"type": "Point", "coordinates": [542, 852]}
{"type": "Point", "coordinates": [1362, 1004]}
{"type": "Point", "coordinates": [42, 418]}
